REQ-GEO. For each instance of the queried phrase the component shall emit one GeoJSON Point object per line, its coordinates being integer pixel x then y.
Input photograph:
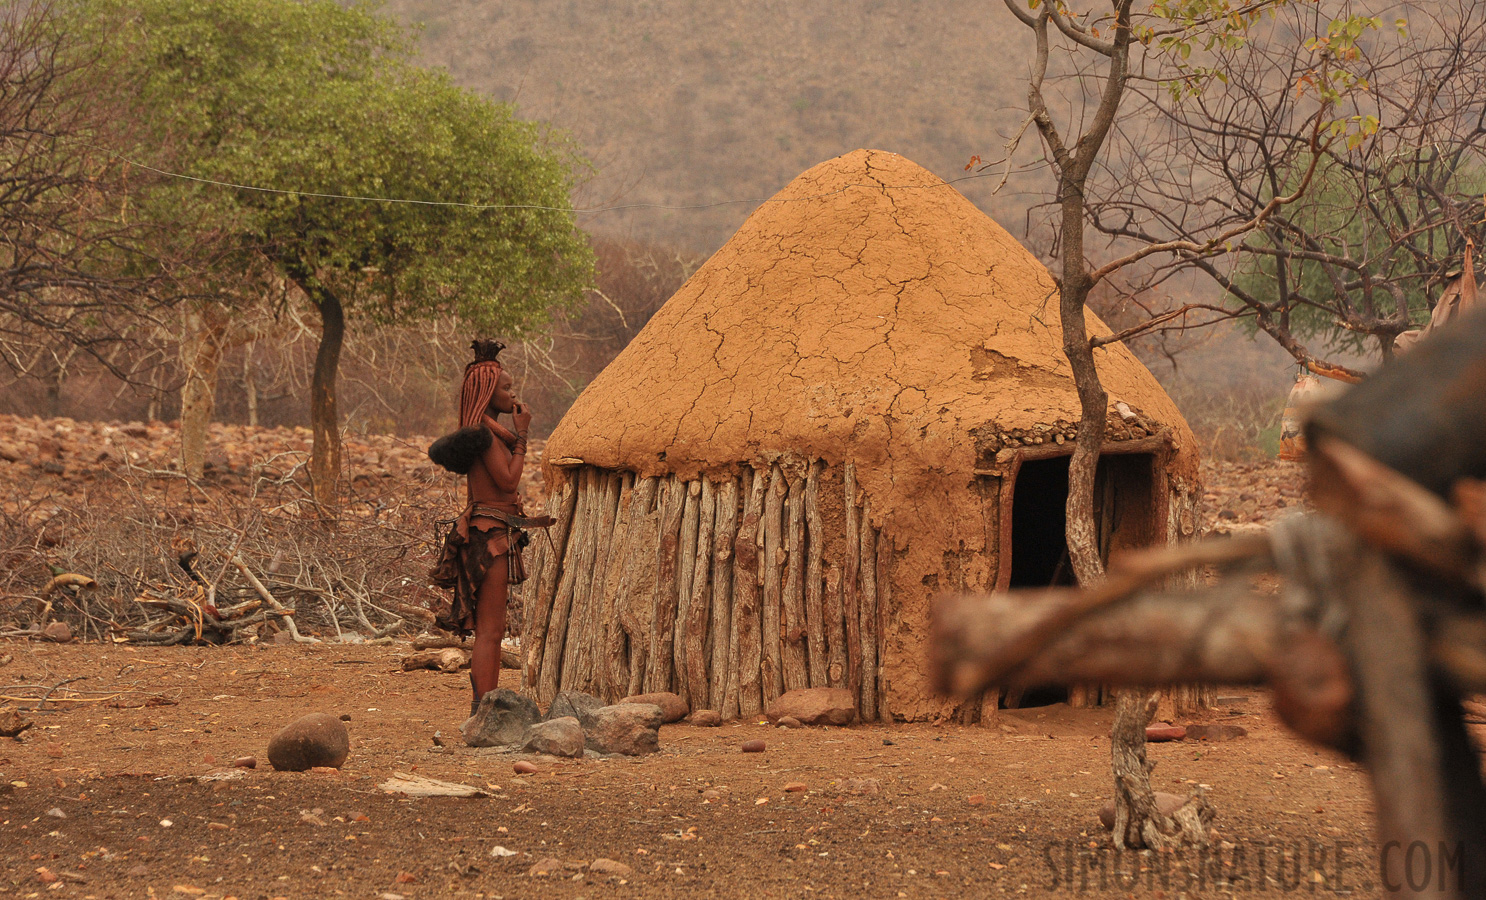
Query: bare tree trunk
{"type": "Point", "coordinates": [204, 328]}
{"type": "Point", "coordinates": [325, 452]}
{"type": "Point", "coordinates": [250, 384]}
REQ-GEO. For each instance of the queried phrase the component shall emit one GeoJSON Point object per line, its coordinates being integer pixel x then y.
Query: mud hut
{"type": "Point", "coordinates": [858, 402]}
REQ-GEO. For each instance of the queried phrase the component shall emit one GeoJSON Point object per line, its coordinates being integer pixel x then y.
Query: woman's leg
{"type": "Point", "coordinates": [490, 627]}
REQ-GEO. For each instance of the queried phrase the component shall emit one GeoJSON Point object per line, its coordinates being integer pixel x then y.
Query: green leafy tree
{"type": "Point", "coordinates": [284, 110]}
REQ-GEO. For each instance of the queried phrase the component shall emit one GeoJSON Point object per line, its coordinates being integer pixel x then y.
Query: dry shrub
{"type": "Point", "coordinates": [102, 501]}
{"type": "Point", "coordinates": [393, 380]}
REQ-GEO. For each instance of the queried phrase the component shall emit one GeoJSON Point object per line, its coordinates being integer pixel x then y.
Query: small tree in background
{"type": "Point", "coordinates": [286, 109]}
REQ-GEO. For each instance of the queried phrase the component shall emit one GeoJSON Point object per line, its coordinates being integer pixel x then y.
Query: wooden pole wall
{"type": "Point", "coordinates": [728, 590]}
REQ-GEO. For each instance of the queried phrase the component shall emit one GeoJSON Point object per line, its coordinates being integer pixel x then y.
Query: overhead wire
{"type": "Point", "coordinates": [540, 207]}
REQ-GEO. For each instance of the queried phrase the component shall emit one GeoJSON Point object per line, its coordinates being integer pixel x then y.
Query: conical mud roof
{"type": "Point", "coordinates": [868, 311]}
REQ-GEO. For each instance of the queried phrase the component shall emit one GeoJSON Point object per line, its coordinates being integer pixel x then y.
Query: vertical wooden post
{"type": "Point", "coordinates": [851, 586]}
{"type": "Point", "coordinates": [884, 618]}
{"type": "Point", "coordinates": [637, 584]}
{"type": "Point", "coordinates": [579, 547]}
{"type": "Point", "coordinates": [700, 604]}
{"type": "Point", "coordinates": [773, 558]}
{"type": "Point", "coordinates": [663, 618]}
{"type": "Point", "coordinates": [686, 564]}
{"type": "Point", "coordinates": [869, 615]}
{"type": "Point", "coordinates": [723, 664]}
{"type": "Point", "coordinates": [538, 613]}
{"type": "Point", "coordinates": [836, 623]}
{"type": "Point", "coordinates": [796, 671]}
{"type": "Point", "coordinates": [746, 602]}
{"type": "Point", "coordinates": [608, 666]}
{"type": "Point", "coordinates": [815, 625]}
{"type": "Point", "coordinates": [584, 629]}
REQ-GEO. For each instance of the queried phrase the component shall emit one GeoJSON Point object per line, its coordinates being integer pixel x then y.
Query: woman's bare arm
{"type": "Point", "coordinates": [504, 466]}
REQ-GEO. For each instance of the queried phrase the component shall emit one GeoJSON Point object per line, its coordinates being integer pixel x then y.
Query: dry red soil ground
{"type": "Point", "coordinates": [121, 792]}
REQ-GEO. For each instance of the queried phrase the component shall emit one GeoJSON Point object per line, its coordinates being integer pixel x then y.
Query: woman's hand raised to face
{"type": "Point", "coordinates": [522, 414]}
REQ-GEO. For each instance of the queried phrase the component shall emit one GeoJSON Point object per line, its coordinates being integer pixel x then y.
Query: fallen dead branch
{"type": "Point", "coordinates": [419, 786]}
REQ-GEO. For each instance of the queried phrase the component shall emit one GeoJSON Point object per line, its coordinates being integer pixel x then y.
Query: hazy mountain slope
{"type": "Point", "coordinates": [698, 102]}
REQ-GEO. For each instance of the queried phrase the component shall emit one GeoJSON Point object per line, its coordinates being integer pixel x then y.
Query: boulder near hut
{"type": "Point", "coordinates": [859, 402]}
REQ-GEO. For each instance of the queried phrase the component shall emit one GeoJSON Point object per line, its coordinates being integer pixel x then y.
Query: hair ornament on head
{"type": "Point", "coordinates": [486, 350]}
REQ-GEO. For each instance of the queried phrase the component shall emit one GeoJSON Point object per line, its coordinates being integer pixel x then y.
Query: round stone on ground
{"type": "Point", "coordinates": [315, 740]}
{"type": "Point", "coordinates": [671, 706]}
{"type": "Point", "coordinates": [815, 706]}
{"type": "Point", "coordinates": [555, 737]}
{"type": "Point", "coordinates": [705, 718]}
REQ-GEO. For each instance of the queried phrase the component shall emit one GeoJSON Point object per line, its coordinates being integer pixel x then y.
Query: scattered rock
{"type": "Point", "coordinates": [56, 813]}
{"type": "Point", "coordinates": [576, 704]}
{"type": "Point", "coordinates": [815, 706]}
{"type": "Point", "coordinates": [555, 737]}
{"type": "Point", "coordinates": [522, 767]}
{"type": "Point", "coordinates": [788, 722]}
{"type": "Point", "coordinates": [608, 867]}
{"type": "Point", "coordinates": [976, 799]}
{"type": "Point", "coordinates": [705, 718]}
{"type": "Point", "coordinates": [1166, 804]}
{"type": "Point", "coordinates": [710, 794]}
{"type": "Point", "coordinates": [548, 866]}
{"type": "Point", "coordinates": [1160, 733]}
{"type": "Point", "coordinates": [318, 739]}
{"type": "Point", "coordinates": [245, 762]}
{"type": "Point", "coordinates": [754, 746]}
{"type": "Point", "coordinates": [795, 787]}
{"type": "Point", "coordinates": [632, 729]}
{"type": "Point", "coordinates": [861, 786]}
{"type": "Point", "coordinates": [57, 632]}
{"type": "Point", "coordinates": [502, 718]}
{"type": "Point", "coordinates": [1220, 732]}
{"type": "Point", "coordinates": [11, 723]}
{"type": "Point", "coordinates": [138, 870]}
{"type": "Point", "coordinates": [671, 706]}
{"type": "Point", "coordinates": [500, 852]}
{"type": "Point", "coordinates": [45, 875]}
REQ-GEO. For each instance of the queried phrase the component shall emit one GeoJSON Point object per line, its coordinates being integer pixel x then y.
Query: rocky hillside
{"type": "Point", "coordinates": [691, 103]}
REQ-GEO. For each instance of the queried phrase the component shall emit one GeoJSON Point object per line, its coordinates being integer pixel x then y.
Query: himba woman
{"type": "Point", "coordinates": [481, 557]}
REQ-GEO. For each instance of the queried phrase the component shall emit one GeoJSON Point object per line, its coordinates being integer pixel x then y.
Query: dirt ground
{"type": "Point", "coordinates": [899, 811]}
{"type": "Point", "coordinates": [119, 790]}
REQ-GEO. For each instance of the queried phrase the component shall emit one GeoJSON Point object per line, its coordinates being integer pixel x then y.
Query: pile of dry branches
{"type": "Point", "coordinates": [144, 555]}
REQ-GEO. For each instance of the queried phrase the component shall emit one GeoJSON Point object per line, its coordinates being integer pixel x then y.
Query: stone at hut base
{"type": "Point", "coordinates": [632, 729]}
{"type": "Point", "coordinates": [555, 737]}
{"type": "Point", "coordinates": [1219, 732]}
{"type": "Point", "coordinates": [577, 704]}
{"type": "Point", "coordinates": [705, 718]}
{"type": "Point", "coordinates": [312, 741]}
{"type": "Point", "coordinates": [1156, 734]}
{"type": "Point", "coordinates": [788, 722]}
{"type": "Point", "coordinates": [57, 632]}
{"type": "Point", "coordinates": [502, 718]}
{"type": "Point", "coordinates": [815, 706]}
{"type": "Point", "coordinates": [1166, 805]}
{"type": "Point", "coordinates": [671, 706]}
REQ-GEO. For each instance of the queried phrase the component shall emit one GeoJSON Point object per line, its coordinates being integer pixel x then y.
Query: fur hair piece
{"type": "Point", "coordinates": [459, 450]}
{"type": "Point", "coordinates": [486, 350]}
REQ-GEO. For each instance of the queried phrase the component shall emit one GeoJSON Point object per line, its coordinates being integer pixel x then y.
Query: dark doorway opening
{"type": "Point", "coordinates": [1125, 507]}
